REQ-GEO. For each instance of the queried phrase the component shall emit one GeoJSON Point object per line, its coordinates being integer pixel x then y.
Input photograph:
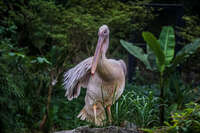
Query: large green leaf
{"type": "Point", "coordinates": [151, 58]}
{"type": "Point", "coordinates": [167, 42]}
{"type": "Point", "coordinates": [137, 52]}
{"type": "Point", "coordinates": [185, 52]}
{"type": "Point", "coordinates": [155, 47]}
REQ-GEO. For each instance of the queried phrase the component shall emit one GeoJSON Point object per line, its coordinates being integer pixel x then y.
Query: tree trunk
{"type": "Point", "coordinates": [162, 108]}
{"type": "Point", "coordinates": [48, 103]}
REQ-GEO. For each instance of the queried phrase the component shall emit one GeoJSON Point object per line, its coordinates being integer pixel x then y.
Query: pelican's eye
{"type": "Point", "coordinates": [105, 32]}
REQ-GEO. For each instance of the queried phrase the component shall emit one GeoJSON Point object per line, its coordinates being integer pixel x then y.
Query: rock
{"type": "Point", "coordinates": [110, 129]}
{"type": "Point", "coordinates": [67, 131]}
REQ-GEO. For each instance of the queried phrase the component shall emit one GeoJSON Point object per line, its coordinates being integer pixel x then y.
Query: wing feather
{"type": "Point", "coordinates": [76, 78]}
{"type": "Point", "coordinates": [123, 64]}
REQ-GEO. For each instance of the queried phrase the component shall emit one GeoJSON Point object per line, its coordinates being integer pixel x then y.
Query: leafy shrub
{"type": "Point", "coordinates": [160, 53]}
{"type": "Point", "coordinates": [187, 120]}
{"type": "Point", "coordinates": [136, 107]}
{"type": "Point", "coordinates": [183, 121]}
{"type": "Point", "coordinates": [39, 38]}
{"type": "Point", "coordinates": [191, 29]}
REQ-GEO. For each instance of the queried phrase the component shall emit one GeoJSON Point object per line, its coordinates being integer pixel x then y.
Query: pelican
{"type": "Point", "coordinates": [104, 79]}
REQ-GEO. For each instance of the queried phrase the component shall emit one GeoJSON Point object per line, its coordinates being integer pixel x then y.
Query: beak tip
{"type": "Point", "coordinates": [92, 73]}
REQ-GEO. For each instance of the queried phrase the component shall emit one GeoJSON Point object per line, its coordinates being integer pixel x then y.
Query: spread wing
{"type": "Point", "coordinates": [76, 78]}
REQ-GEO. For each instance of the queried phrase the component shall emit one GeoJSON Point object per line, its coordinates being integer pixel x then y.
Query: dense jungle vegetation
{"type": "Point", "coordinates": [40, 39]}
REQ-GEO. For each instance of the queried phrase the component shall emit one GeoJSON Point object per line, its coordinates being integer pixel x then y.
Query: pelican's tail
{"type": "Point", "coordinates": [90, 117]}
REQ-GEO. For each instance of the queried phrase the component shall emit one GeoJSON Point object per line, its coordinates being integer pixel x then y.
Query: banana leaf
{"type": "Point", "coordinates": [155, 47]}
{"type": "Point", "coordinates": [186, 52]}
{"type": "Point", "coordinates": [151, 58]}
{"type": "Point", "coordinates": [167, 42]}
{"type": "Point", "coordinates": [137, 52]}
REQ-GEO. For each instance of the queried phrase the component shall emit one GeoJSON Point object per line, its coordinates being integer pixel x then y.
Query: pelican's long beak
{"type": "Point", "coordinates": [97, 55]}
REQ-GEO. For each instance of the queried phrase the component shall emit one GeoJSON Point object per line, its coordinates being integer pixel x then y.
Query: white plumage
{"type": "Point", "coordinates": [104, 79]}
{"type": "Point", "coordinates": [76, 78]}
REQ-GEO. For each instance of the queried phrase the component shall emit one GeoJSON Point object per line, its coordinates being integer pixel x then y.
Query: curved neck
{"type": "Point", "coordinates": [103, 66]}
{"type": "Point", "coordinates": [105, 48]}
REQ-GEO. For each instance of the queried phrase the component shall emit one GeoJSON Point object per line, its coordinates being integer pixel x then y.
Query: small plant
{"type": "Point", "coordinates": [137, 108]}
{"type": "Point", "coordinates": [185, 121]}
{"type": "Point", "coordinates": [163, 56]}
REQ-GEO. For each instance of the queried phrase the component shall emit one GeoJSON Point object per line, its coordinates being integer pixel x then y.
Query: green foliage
{"type": "Point", "coordinates": [181, 93]}
{"type": "Point", "coordinates": [63, 113]}
{"type": "Point", "coordinates": [189, 32]}
{"type": "Point", "coordinates": [186, 52]}
{"type": "Point", "coordinates": [38, 40]}
{"type": "Point", "coordinates": [187, 120]}
{"type": "Point", "coordinates": [191, 29]}
{"type": "Point", "coordinates": [12, 91]}
{"type": "Point", "coordinates": [136, 107]}
{"type": "Point", "coordinates": [167, 42]}
{"type": "Point", "coordinates": [183, 121]}
{"type": "Point", "coordinates": [163, 50]}
{"type": "Point", "coordinates": [137, 52]}
{"type": "Point", "coordinates": [156, 48]}
{"type": "Point", "coordinates": [178, 93]}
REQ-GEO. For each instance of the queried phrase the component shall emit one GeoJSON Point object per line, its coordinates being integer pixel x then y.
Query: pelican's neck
{"type": "Point", "coordinates": [104, 48]}
{"type": "Point", "coordinates": [103, 66]}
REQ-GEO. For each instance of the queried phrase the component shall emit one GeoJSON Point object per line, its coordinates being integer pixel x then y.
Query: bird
{"type": "Point", "coordinates": [104, 79]}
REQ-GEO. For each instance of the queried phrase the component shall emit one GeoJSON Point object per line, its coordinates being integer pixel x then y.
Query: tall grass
{"type": "Point", "coordinates": [137, 108]}
{"type": "Point", "coordinates": [137, 105]}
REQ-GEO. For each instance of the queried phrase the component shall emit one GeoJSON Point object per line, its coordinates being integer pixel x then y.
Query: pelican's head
{"type": "Point", "coordinates": [102, 46]}
{"type": "Point", "coordinates": [103, 31]}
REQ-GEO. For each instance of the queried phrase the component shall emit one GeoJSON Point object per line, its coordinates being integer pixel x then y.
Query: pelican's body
{"type": "Point", "coordinates": [104, 79]}
{"type": "Point", "coordinates": [108, 78]}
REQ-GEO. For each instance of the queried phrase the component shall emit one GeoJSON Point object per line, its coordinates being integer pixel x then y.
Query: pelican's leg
{"type": "Point", "coordinates": [95, 113]}
{"type": "Point", "coordinates": [109, 113]}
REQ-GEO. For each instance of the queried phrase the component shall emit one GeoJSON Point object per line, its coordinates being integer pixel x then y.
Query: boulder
{"type": "Point", "coordinates": [110, 129]}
